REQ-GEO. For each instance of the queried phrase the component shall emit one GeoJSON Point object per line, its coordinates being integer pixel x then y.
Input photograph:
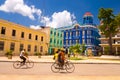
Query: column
{"type": "Point", "coordinates": [116, 50]}
{"type": "Point", "coordinates": [103, 50]}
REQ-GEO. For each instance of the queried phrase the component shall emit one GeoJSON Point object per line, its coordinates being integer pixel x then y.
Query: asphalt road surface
{"type": "Point", "coordinates": [6, 68]}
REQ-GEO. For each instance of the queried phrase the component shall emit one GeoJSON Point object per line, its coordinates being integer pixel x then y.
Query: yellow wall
{"type": "Point", "coordinates": [8, 38]}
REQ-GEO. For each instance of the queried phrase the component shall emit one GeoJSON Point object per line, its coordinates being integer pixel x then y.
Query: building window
{"type": "Point", "coordinates": [66, 42]}
{"type": "Point", "coordinates": [70, 34]}
{"type": "Point", "coordinates": [51, 32]}
{"type": "Point", "coordinates": [54, 40]}
{"type": "Point", "coordinates": [61, 35]}
{"type": "Point", "coordinates": [66, 34]}
{"type": "Point", "coordinates": [74, 33]}
{"type": "Point", "coordinates": [83, 33]}
{"type": "Point", "coordinates": [50, 40]}
{"type": "Point", "coordinates": [77, 41]}
{"type": "Point", "coordinates": [83, 41]}
{"type": "Point", "coordinates": [77, 33]}
{"type": "Point", "coordinates": [58, 34]}
{"type": "Point", "coordinates": [36, 37]}
{"type": "Point", "coordinates": [13, 32]}
{"type": "Point", "coordinates": [21, 47]}
{"type": "Point", "coordinates": [88, 32]}
{"type": "Point", "coordinates": [54, 33]}
{"type": "Point", "coordinates": [41, 48]}
{"type": "Point", "coordinates": [3, 30]}
{"type": "Point", "coordinates": [1, 45]}
{"type": "Point", "coordinates": [42, 38]}
{"type": "Point", "coordinates": [89, 41]}
{"type": "Point", "coordinates": [22, 35]}
{"type": "Point", "coordinates": [57, 41]}
{"type": "Point", "coordinates": [35, 49]}
{"type": "Point", "coordinates": [29, 48]}
{"type": "Point", "coordinates": [30, 36]}
{"type": "Point", "coordinates": [12, 46]}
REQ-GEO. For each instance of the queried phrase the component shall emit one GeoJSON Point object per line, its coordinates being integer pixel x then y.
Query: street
{"type": "Point", "coordinates": [45, 69]}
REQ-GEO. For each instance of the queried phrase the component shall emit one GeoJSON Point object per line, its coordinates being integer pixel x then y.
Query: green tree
{"type": "Point", "coordinates": [71, 49]}
{"type": "Point", "coordinates": [109, 26]}
{"type": "Point", "coordinates": [76, 49]}
{"type": "Point", "coordinates": [117, 18]}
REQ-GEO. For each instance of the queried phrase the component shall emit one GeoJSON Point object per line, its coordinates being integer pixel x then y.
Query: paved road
{"type": "Point", "coordinates": [45, 69]}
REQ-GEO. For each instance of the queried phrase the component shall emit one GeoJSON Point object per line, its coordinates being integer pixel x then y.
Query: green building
{"type": "Point", "coordinates": [54, 39]}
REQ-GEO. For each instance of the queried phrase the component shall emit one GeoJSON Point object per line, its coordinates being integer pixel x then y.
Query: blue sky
{"type": "Point", "coordinates": [54, 13]}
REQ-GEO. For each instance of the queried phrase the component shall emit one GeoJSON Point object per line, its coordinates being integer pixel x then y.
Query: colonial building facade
{"type": "Point", "coordinates": [16, 37]}
{"type": "Point", "coordinates": [115, 42]}
{"type": "Point", "coordinates": [86, 33]}
{"type": "Point", "coordinates": [54, 39]}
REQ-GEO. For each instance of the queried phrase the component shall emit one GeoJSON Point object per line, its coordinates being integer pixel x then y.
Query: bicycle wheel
{"type": "Point", "coordinates": [55, 67]}
{"type": "Point", "coordinates": [30, 64]}
{"type": "Point", "coordinates": [69, 67]}
{"type": "Point", "coordinates": [17, 64]}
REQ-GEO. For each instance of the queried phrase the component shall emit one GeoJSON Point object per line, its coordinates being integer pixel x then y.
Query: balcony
{"type": "Point", "coordinates": [114, 45]}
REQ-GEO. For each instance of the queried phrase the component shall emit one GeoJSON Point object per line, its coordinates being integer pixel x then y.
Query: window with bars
{"type": "Point", "coordinates": [1, 45]}
{"type": "Point", "coordinates": [29, 48]}
{"type": "Point", "coordinates": [22, 34]}
{"type": "Point", "coordinates": [57, 41]}
{"type": "Point", "coordinates": [21, 47]}
{"type": "Point", "coordinates": [35, 48]}
{"type": "Point", "coordinates": [50, 40]}
{"type": "Point", "coordinates": [41, 48]}
{"type": "Point", "coordinates": [12, 46]}
{"type": "Point", "coordinates": [3, 30]}
{"type": "Point", "coordinates": [54, 40]}
{"type": "Point", "coordinates": [36, 37]}
{"type": "Point", "coordinates": [55, 33]}
{"type": "Point", "coordinates": [30, 36]}
{"type": "Point", "coordinates": [13, 32]}
{"type": "Point", "coordinates": [42, 38]}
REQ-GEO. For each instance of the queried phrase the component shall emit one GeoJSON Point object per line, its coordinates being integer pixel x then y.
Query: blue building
{"type": "Point", "coordinates": [86, 33]}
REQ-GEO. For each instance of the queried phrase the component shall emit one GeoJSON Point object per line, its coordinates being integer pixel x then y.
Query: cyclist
{"type": "Point", "coordinates": [61, 57]}
{"type": "Point", "coordinates": [22, 56]}
{"type": "Point", "coordinates": [56, 56]}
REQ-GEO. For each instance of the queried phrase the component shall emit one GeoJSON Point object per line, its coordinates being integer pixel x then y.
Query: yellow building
{"type": "Point", "coordinates": [16, 37]}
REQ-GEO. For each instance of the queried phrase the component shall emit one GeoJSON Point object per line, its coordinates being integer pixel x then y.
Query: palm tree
{"type": "Point", "coordinates": [76, 49]}
{"type": "Point", "coordinates": [109, 26]}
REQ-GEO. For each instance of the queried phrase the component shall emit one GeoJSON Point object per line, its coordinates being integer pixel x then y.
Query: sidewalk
{"type": "Point", "coordinates": [49, 59]}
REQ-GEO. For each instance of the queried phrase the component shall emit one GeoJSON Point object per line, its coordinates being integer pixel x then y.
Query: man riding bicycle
{"type": "Point", "coordinates": [61, 57]}
{"type": "Point", "coordinates": [23, 56]}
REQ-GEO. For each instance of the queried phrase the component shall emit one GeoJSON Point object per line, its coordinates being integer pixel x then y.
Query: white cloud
{"type": "Point", "coordinates": [45, 20]}
{"type": "Point", "coordinates": [35, 27]}
{"type": "Point", "coordinates": [18, 6]}
{"type": "Point", "coordinates": [59, 19]}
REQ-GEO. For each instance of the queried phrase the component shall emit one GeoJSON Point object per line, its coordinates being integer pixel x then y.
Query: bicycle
{"type": "Point", "coordinates": [68, 66]}
{"type": "Point", "coordinates": [18, 64]}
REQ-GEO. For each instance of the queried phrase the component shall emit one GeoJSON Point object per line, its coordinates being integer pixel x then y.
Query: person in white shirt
{"type": "Point", "coordinates": [22, 56]}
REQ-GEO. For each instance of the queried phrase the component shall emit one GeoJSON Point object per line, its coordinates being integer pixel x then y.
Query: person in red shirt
{"type": "Point", "coordinates": [61, 57]}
